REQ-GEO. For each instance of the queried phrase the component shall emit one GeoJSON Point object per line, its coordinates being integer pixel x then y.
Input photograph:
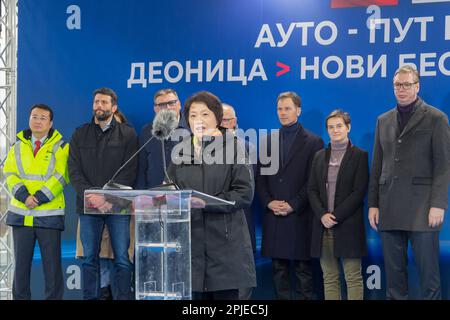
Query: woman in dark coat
{"type": "Point", "coordinates": [222, 256]}
{"type": "Point", "coordinates": [336, 189]}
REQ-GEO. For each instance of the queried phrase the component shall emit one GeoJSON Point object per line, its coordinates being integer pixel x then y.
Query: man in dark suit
{"type": "Point", "coordinates": [286, 234]}
{"type": "Point", "coordinates": [408, 190]}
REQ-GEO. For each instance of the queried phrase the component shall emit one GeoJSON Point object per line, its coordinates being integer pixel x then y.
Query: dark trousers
{"type": "Point", "coordinates": [232, 294]}
{"type": "Point", "coordinates": [425, 247]}
{"type": "Point", "coordinates": [50, 246]}
{"type": "Point", "coordinates": [282, 279]}
{"type": "Point", "coordinates": [245, 293]}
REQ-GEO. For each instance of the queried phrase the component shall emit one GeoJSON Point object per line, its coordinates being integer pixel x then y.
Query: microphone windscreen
{"type": "Point", "coordinates": [164, 124]}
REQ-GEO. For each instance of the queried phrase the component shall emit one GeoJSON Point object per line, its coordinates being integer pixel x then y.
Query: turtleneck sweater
{"type": "Point", "coordinates": [337, 153]}
{"type": "Point", "coordinates": [405, 113]}
{"type": "Point", "coordinates": [288, 134]}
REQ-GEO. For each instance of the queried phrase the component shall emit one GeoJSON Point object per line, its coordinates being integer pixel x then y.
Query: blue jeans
{"type": "Point", "coordinates": [91, 228]}
{"type": "Point", "coordinates": [105, 272]}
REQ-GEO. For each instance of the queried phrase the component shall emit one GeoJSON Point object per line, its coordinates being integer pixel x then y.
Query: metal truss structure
{"type": "Point", "coordinates": [8, 111]}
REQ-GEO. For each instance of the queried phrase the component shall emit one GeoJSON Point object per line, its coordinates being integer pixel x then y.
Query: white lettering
{"type": "Point", "coordinates": [241, 77]}
{"type": "Point", "coordinates": [403, 57]}
{"type": "Point", "coordinates": [265, 36]}
{"type": "Point", "coordinates": [375, 25]}
{"type": "Point", "coordinates": [132, 80]}
{"type": "Point", "coordinates": [304, 67]}
{"type": "Point", "coordinates": [152, 72]}
{"type": "Point", "coordinates": [179, 70]}
{"type": "Point", "coordinates": [257, 71]}
{"type": "Point", "coordinates": [442, 67]}
{"type": "Point", "coordinates": [198, 71]}
{"type": "Point", "coordinates": [218, 68]}
{"type": "Point", "coordinates": [318, 35]}
{"type": "Point", "coordinates": [73, 281]}
{"type": "Point", "coordinates": [423, 26]}
{"type": "Point", "coordinates": [284, 35]}
{"type": "Point", "coordinates": [372, 69]}
{"type": "Point", "coordinates": [73, 22]}
{"type": "Point", "coordinates": [402, 31]}
{"type": "Point", "coordinates": [424, 64]}
{"type": "Point", "coordinates": [376, 14]}
{"type": "Point", "coordinates": [304, 27]}
{"type": "Point", "coordinates": [447, 27]}
{"type": "Point", "coordinates": [355, 63]}
{"type": "Point", "coordinates": [374, 280]}
{"type": "Point", "coordinates": [340, 67]}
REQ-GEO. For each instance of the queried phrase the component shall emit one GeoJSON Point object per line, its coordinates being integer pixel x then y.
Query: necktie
{"type": "Point", "coordinates": [38, 146]}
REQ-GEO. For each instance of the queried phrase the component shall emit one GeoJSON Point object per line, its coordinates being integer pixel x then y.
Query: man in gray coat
{"type": "Point", "coordinates": [408, 190]}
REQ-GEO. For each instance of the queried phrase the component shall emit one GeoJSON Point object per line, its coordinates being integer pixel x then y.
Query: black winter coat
{"type": "Point", "coordinates": [222, 256]}
{"type": "Point", "coordinates": [94, 157]}
{"type": "Point", "coordinates": [289, 237]}
{"type": "Point", "coordinates": [351, 186]}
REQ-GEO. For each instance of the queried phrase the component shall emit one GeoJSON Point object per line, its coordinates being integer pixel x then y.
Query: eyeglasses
{"type": "Point", "coordinates": [164, 105]}
{"type": "Point", "coordinates": [227, 119]}
{"type": "Point", "coordinates": [405, 85]}
{"type": "Point", "coordinates": [37, 118]}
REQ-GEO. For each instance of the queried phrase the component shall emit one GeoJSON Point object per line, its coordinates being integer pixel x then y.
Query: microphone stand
{"type": "Point", "coordinates": [170, 185]}
{"type": "Point", "coordinates": [111, 185]}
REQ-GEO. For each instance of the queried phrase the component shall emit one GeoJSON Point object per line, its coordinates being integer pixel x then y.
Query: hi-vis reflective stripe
{"type": "Point", "coordinates": [16, 187]}
{"type": "Point", "coordinates": [60, 179]}
{"type": "Point", "coordinates": [48, 193]}
{"type": "Point", "coordinates": [35, 212]}
{"type": "Point", "coordinates": [37, 177]}
{"type": "Point", "coordinates": [51, 167]}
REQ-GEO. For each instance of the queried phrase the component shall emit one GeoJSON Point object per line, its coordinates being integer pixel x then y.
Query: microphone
{"type": "Point", "coordinates": [164, 124]}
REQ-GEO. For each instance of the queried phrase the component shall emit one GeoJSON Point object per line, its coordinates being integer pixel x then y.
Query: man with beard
{"type": "Point", "coordinates": [97, 150]}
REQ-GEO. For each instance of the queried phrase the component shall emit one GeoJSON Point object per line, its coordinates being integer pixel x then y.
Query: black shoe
{"type": "Point", "coordinates": [105, 293]}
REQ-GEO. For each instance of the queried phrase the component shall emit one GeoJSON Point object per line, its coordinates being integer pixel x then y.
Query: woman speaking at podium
{"type": "Point", "coordinates": [213, 161]}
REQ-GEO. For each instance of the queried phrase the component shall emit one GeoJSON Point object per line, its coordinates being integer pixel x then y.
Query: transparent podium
{"type": "Point", "coordinates": [162, 236]}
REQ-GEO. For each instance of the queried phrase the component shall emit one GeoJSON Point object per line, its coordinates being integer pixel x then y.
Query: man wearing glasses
{"type": "Point", "coordinates": [229, 120]}
{"type": "Point", "coordinates": [151, 172]}
{"type": "Point", "coordinates": [36, 174]}
{"type": "Point", "coordinates": [408, 191]}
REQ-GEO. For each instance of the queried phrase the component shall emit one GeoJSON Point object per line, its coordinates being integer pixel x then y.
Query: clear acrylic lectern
{"type": "Point", "coordinates": [162, 237]}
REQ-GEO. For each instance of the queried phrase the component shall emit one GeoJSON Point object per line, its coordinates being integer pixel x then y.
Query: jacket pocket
{"type": "Point", "coordinates": [382, 181]}
{"type": "Point", "coordinates": [422, 180]}
{"type": "Point", "coordinates": [423, 132]}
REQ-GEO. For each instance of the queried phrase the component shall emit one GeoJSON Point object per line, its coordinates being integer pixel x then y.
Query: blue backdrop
{"type": "Point", "coordinates": [246, 52]}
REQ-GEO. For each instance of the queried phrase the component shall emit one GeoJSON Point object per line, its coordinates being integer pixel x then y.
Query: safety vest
{"type": "Point", "coordinates": [46, 172]}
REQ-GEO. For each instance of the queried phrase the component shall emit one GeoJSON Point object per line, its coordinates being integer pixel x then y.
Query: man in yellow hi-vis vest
{"type": "Point", "coordinates": [36, 174]}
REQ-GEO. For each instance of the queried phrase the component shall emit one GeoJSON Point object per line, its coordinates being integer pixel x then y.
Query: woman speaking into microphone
{"type": "Point", "coordinates": [213, 161]}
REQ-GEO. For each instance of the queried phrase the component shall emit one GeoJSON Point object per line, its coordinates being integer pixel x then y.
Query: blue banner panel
{"type": "Point", "coordinates": [334, 54]}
